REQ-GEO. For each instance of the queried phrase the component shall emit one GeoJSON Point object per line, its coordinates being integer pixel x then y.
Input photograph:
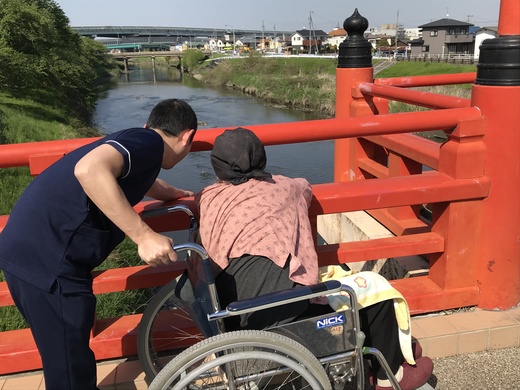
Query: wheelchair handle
{"type": "Point", "coordinates": [206, 262]}
{"type": "Point", "coordinates": [191, 246]}
{"type": "Point", "coordinates": [206, 266]}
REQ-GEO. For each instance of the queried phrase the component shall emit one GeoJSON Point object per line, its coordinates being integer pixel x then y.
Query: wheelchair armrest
{"type": "Point", "coordinates": [283, 297]}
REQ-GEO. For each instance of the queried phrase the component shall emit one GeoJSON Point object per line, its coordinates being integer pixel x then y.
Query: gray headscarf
{"type": "Point", "coordinates": [239, 155]}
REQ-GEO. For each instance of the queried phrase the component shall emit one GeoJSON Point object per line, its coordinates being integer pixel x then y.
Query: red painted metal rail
{"type": "Point", "coordinates": [472, 188]}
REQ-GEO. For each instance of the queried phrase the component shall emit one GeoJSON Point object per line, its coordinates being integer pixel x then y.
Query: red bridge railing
{"type": "Point", "coordinates": [472, 186]}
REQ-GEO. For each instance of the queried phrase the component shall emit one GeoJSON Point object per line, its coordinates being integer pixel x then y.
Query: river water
{"type": "Point", "coordinates": [129, 101]}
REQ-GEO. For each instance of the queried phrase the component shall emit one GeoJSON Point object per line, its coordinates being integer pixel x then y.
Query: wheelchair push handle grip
{"type": "Point", "coordinates": [191, 246]}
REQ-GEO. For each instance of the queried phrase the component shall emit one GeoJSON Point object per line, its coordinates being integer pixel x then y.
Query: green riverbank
{"type": "Point", "coordinates": [309, 83]}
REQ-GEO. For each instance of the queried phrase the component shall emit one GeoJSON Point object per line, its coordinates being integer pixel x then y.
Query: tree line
{"type": "Point", "coordinates": [41, 57]}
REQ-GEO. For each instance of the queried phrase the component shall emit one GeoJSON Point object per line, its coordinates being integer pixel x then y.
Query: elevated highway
{"type": "Point", "coordinates": [173, 34]}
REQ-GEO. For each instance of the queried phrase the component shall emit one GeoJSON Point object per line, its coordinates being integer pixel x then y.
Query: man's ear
{"type": "Point", "coordinates": [187, 136]}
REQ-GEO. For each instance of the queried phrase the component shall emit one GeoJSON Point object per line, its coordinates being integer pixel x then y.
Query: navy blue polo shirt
{"type": "Point", "coordinates": [55, 232]}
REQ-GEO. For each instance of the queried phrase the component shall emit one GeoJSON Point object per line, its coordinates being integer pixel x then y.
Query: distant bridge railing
{"type": "Point", "coordinates": [472, 188]}
{"type": "Point", "coordinates": [138, 54]}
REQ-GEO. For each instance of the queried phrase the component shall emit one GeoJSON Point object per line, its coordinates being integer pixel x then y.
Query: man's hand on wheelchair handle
{"type": "Point", "coordinates": [156, 249]}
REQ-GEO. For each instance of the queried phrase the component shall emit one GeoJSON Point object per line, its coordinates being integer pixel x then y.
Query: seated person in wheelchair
{"type": "Point", "coordinates": [255, 228]}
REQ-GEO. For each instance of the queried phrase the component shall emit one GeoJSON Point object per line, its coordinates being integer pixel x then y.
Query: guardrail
{"type": "Point", "coordinates": [472, 188]}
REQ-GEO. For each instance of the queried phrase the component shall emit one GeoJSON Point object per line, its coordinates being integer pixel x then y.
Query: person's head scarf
{"type": "Point", "coordinates": [239, 155]}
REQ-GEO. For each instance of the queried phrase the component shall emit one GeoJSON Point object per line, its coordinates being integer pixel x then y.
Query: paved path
{"type": "Point", "coordinates": [490, 370]}
{"type": "Point", "coordinates": [382, 65]}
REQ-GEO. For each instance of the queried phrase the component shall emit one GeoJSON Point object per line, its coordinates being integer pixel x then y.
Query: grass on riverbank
{"type": "Point", "coordinates": [309, 83]}
{"type": "Point", "coordinates": [426, 69]}
{"type": "Point", "coordinates": [24, 120]}
{"type": "Point", "coordinates": [405, 68]}
{"type": "Point", "coordinates": [305, 84]}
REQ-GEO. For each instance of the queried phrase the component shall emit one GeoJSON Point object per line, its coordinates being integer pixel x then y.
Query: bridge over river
{"type": "Point", "coordinates": [126, 56]}
{"type": "Point", "coordinates": [140, 54]}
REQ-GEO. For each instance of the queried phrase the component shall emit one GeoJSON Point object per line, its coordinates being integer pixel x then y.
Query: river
{"type": "Point", "coordinates": [130, 99]}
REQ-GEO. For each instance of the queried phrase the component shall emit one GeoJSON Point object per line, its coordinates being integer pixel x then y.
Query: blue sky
{"type": "Point", "coordinates": [273, 14]}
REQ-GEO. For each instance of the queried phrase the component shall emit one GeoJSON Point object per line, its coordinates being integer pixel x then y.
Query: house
{"type": "Point", "coordinates": [382, 44]}
{"type": "Point", "coordinates": [444, 38]}
{"type": "Point", "coordinates": [401, 49]}
{"type": "Point", "coordinates": [308, 41]}
{"type": "Point", "coordinates": [250, 42]}
{"type": "Point", "coordinates": [277, 44]}
{"type": "Point", "coordinates": [412, 33]}
{"type": "Point", "coordinates": [388, 29]}
{"type": "Point", "coordinates": [335, 37]}
{"type": "Point", "coordinates": [216, 44]}
{"type": "Point", "coordinates": [483, 34]}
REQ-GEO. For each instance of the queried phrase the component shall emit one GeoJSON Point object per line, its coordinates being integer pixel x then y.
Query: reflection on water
{"type": "Point", "coordinates": [129, 101]}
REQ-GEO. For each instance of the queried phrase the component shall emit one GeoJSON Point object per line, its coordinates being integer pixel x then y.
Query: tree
{"type": "Point", "coordinates": [39, 51]}
{"type": "Point", "coordinates": [191, 58]}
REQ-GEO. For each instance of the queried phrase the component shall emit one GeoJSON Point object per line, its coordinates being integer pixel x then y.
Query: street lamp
{"type": "Point", "coordinates": [233, 31]}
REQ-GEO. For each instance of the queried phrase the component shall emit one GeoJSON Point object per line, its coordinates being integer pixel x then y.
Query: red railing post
{"type": "Point", "coordinates": [354, 66]}
{"type": "Point", "coordinates": [497, 93]}
{"type": "Point", "coordinates": [463, 156]}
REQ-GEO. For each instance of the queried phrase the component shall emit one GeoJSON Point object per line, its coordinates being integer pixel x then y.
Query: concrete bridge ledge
{"type": "Point", "coordinates": [359, 226]}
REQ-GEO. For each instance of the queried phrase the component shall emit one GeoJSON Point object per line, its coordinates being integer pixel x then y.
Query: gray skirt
{"type": "Point", "coordinates": [250, 276]}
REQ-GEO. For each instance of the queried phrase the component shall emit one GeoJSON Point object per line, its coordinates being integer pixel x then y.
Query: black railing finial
{"type": "Point", "coordinates": [499, 61]}
{"type": "Point", "coordinates": [355, 51]}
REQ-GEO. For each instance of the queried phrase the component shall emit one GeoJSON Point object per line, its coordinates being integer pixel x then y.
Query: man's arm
{"type": "Point", "coordinates": [161, 190]}
{"type": "Point", "coordinates": [97, 172]}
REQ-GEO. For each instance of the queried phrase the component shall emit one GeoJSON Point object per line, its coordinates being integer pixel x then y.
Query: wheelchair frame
{"type": "Point", "coordinates": [295, 345]}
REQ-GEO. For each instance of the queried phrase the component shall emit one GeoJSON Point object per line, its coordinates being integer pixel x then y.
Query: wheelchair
{"type": "Point", "coordinates": [320, 353]}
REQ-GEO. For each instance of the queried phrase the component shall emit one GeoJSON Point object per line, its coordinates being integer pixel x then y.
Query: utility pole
{"type": "Point", "coordinates": [233, 32]}
{"type": "Point", "coordinates": [263, 35]}
{"type": "Point", "coordinates": [312, 34]}
{"type": "Point", "coordinates": [310, 31]}
{"type": "Point", "coordinates": [396, 34]}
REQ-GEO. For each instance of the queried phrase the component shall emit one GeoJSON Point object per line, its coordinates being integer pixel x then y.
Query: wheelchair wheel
{"type": "Point", "coordinates": [248, 359]}
{"type": "Point", "coordinates": [155, 344]}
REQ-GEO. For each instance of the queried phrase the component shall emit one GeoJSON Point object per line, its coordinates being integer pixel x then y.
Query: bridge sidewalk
{"type": "Point", "coordinates": [482, 339]}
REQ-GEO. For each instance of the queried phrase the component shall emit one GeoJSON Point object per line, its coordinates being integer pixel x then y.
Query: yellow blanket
{"type": "Point", "coordinates": [371, 288]}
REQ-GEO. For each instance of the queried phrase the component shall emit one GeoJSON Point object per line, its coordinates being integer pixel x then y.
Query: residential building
{"type": "Point", "coordinates": [308, 41]}
{"type": "Point", "coordinates": [444, 38]}
{"type": "Point", "coordinates": [336, 36]}
{"type": "Point", "coordinates": [412, 33]}
{"type": "Point", "coordinates": [249, 42]}
{"type": "Point", "coordinates": [483, 34]}
{"type": "Point", "coordinates": [388, 30]}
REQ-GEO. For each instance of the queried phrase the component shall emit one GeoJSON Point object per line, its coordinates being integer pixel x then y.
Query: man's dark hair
{"type": "Point", "coordinates": [172, 116]}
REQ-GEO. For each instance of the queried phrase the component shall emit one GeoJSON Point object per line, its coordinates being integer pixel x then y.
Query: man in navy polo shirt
{"type": "Point", "coordinates": [71, 217]}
